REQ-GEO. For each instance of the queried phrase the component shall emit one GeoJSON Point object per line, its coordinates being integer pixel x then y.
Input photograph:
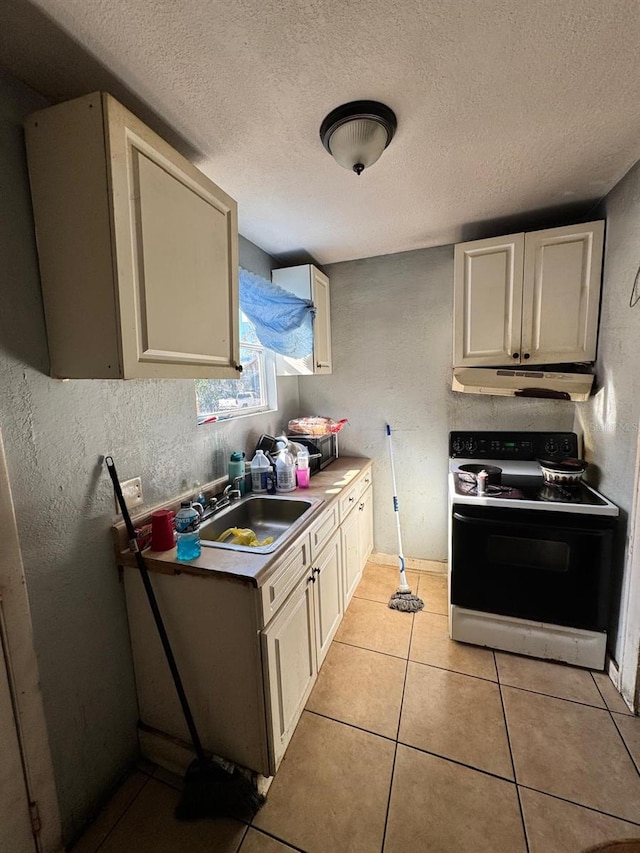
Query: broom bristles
{"type": "Point", "coordinates": [211, 791]}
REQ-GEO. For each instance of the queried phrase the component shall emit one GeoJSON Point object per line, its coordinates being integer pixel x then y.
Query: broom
{"type": "Point", "coordinates": [402, 599]}
{"type": "Point", "coordinates": [211, 788]}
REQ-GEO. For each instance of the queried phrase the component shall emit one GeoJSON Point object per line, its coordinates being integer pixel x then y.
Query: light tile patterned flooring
{"type": "Point", "coordinates": [411, 742]}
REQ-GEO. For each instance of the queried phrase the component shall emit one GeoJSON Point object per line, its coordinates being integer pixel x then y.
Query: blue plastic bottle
{"type": "Point", "coordinates": [187, 524]}
{"type": "Point", "coordinates": [236, 469]}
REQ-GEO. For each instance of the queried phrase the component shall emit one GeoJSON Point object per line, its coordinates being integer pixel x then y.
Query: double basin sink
{"type": "Point", "coordinates": [278, 516]}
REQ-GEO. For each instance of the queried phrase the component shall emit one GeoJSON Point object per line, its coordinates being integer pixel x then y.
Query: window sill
{"type": "Point", "coordinates": [234, 416]}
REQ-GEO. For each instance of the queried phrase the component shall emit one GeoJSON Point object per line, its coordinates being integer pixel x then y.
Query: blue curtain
{"type": "Point", "coordinates": [283, 322]}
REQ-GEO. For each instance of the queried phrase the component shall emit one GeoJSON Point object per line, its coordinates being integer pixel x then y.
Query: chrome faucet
{"type": "Point", "coordinates": [222, 501]}
{"type": "Point", "coordinates": [233, 489]}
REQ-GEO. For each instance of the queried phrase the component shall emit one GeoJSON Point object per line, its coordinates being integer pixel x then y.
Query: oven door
{"type": "Point", "coordinates": [545, 566]}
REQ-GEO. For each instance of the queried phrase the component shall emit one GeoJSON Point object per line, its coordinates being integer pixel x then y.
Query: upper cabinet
{"type": "Point", "coordinates": [528, 298]}
{"type": "Point", "coordinates": [138, 249]}
{"type": "Point", "coordinates": [307, 282]}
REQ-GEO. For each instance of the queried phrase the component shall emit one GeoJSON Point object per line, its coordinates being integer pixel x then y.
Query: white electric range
{"type": "Point", "coordinates": [530, 563]}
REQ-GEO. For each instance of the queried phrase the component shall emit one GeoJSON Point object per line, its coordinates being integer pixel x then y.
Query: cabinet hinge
{"type": "Point", "coordinates": [36, 824]}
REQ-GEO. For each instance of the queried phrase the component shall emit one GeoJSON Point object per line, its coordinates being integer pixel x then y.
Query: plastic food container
{"type": "Point", "coordinates": [314, 426]}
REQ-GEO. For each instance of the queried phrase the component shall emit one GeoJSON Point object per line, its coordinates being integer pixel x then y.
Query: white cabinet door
{"type": "Point", "coordinates": [327, 571]}
{"type": "Point", "coordinates": [351, 563]}
{"type": "Point", "coordinates": [562, 274]}
{"type": "Point", "coordinates": [528, 298]}
{"type": "Point", "coordinates": [290, 664]}
{"type": "Point", "coordinates": [488, 301]}
{"type": "Point", "coordinates": [357, 540]}
{"type": "Point", "coordinates": [176, 252]}
{"type": "Point", "coordinates": [321, 322]}
{"type": "Point", "coordinates": [307, 282]}
{"type": "Point", "coordinates": [138, 249]}
{"type": "Point", "coordinates": [365, 526]}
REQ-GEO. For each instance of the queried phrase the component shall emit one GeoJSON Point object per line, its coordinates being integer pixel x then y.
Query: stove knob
{"type": "Point", "coordinates": [550, 447]}
{"type": "Point", "coordinates": [458, 445]}
{"type": "Point", "coordinates": [471, 445]}
{"type": "Point", "coordinates": [566, 447]}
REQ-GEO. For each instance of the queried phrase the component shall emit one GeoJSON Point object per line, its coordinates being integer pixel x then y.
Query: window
{"type": "Point", "coordinates": [254, 391]}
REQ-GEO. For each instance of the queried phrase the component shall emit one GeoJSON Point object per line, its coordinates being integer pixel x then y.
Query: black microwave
{"type": "Point", "coordinates": [322, 449]}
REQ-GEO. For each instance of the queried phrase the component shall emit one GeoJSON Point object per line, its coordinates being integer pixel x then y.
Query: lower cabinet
{"type": "Point", "coordinates": [257, 650]}
{"type": "Point", "coordinates": [351, 565]}
{"type": "Point", "coordinates": [327, 577]}
{"type": "Point", "coordinates": [365, 526]}
{"type": "Point", "coordinates": [290, 663]}
{"type": "Point", "coordinates": [357, 542]}
{"type": "Point", "coordinates": [297, 640]}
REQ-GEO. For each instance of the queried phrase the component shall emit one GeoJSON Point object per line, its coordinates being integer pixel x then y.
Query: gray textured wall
{"type": "Point", "coordinates": [610, 418]}
{"type": "Point", "coordinates": [55, 433]}
{"type": "Point", "coordinates": [392, 340]}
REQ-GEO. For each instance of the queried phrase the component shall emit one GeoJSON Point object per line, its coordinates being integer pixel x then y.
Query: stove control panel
{"type": "Point", "coordinates": [527, 446]}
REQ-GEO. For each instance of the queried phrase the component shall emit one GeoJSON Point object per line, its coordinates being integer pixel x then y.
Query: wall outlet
{"type": "Point", "coordinates": [132, 492]}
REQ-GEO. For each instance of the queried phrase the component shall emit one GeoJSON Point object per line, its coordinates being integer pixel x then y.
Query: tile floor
{"type": "Point", "coordinates": [411, 742]}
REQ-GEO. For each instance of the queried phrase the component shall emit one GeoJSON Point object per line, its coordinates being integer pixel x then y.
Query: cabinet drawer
{"type": "Point", "coordinates": [352, 495]}
{"type": "Point", "coordinates": [348, 501]}
{"type": "Point", "coordinates": [321, 532]}
{"type": "Point", "coordinates": [365, 481]}
{"type": "Point", "coordinates": [278, 587]}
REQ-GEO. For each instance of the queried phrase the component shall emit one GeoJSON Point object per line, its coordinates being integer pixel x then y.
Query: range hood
{"type": "Point", "coordinates": [505, 382]}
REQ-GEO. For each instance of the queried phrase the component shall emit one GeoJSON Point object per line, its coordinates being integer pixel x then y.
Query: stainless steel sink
{"type": "Point", "coordinates": [267, 515]}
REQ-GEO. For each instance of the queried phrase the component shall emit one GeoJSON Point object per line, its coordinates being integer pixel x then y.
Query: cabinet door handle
{"type": "Point", "coordinates": [527, 355]}
{"type": "Point", "coordinates": [316, 571]}
{"type": "Point", "coordinates": [516, 355]}
{"type": "Point", "coordinates": [312, 579]}
{"type": "Point", "coordinates": [351, 499]}
{"type": "Point", "coordinates": [239, 368]}
{"type": "Point", "coordinates": [361, 507]}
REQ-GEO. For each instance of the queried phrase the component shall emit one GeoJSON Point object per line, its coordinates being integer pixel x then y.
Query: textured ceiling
{"type": "Point", "coordinates": [505, 108]}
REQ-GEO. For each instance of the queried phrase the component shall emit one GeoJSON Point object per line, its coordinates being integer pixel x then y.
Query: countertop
{"type": "Point", "coordinates": [327, 485]}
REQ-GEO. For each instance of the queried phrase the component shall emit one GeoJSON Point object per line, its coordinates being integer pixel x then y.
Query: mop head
{"type": "Point", "coordinates": [212, 791]}
{"type": "Point", "coordinates": [403, 599]}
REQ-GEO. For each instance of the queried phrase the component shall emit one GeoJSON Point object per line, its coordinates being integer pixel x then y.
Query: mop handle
{"type": "Point", "coordinates": [396, 510]}
{"type": "Point", "coordinates": [153, 603]}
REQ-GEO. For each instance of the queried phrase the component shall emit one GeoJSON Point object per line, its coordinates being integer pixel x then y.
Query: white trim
{"type": "Point", "coordinates": [434, 567]}
{"type": "Point", "coordinates": [611, 668]}
{"type": "Point", "coordinates": [175, 756]}
{"type": "Point", "coordinates": [525, 637]}
{"type": "Point", "coordinates": [628, 682]}
{"type": "Point", "coordinates": [31, 719]}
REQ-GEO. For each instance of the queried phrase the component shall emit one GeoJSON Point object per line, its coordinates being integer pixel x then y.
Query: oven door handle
{"type": "Point", "coordinates": [481, 522]}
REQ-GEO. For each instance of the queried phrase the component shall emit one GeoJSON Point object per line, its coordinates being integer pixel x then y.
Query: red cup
{"type": "Point", "coordinates": [162, 532]}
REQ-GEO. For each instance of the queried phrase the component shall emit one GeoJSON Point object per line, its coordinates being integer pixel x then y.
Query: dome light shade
{"type": "Point", "coordinates": [357, 133]}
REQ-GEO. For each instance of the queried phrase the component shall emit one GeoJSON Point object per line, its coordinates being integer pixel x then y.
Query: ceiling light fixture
{"type": "Point", "coordinates": [357, 133]}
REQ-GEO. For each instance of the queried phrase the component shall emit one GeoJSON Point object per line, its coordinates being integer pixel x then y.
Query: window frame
{"type": "Point", "coordinates": [268, 369]}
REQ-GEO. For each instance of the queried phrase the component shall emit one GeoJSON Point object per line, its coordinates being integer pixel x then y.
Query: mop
{"type": "Point", "coordinates": [402, 599]}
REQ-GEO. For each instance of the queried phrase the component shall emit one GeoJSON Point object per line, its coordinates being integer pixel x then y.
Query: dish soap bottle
{"type": "Point", "coordinates": [187, 524]}
{"type": "Point", "coordinates": [302, 473]}
{"type": "Point", "coordinates": [285, 472]}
